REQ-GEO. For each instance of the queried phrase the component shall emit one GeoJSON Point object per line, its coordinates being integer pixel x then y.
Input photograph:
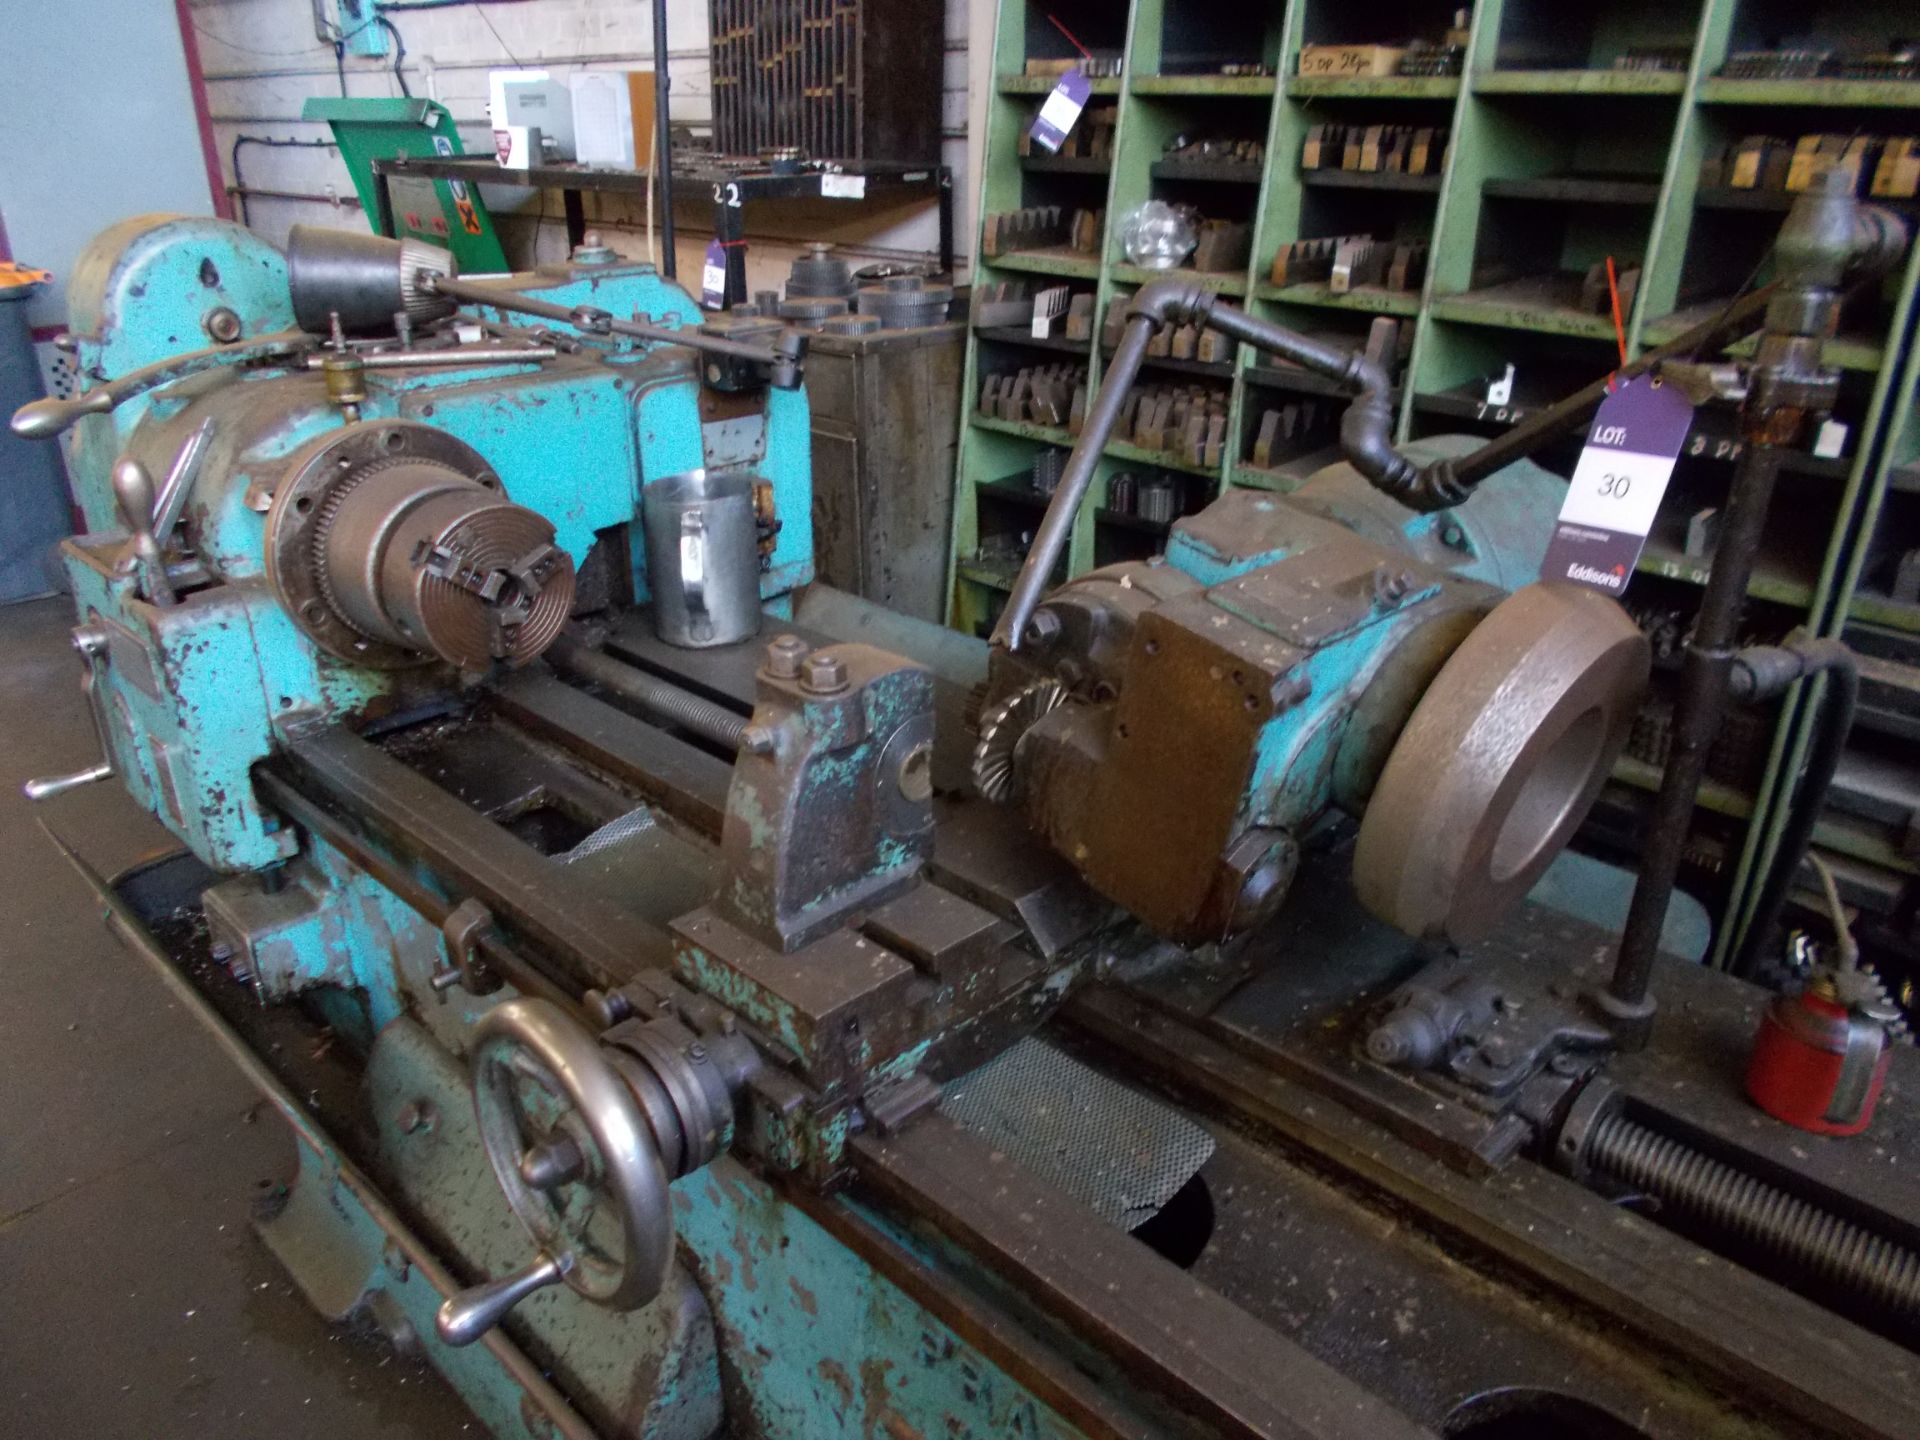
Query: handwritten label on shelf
{"type": "Point", "coordinates": [835, 186]}
{"type": "Point", "coordinates": [1617, 486]}
{"type": "Point", "coordinates": [1061, 111]}
{"type": "Point", "coordinates": [713, 276]}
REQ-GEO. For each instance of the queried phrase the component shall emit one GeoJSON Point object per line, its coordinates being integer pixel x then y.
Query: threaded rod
{"type": "Point", "coordinates": [1812, 1240]}
{"type": "Point", "coordinates": [657, 697]}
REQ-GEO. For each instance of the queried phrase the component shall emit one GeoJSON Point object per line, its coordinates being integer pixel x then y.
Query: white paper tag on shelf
{"type": "Point", "coordinates": [1061, 110]}
{"type": "Point", "coordinates": [1617, 485]}
{"type": "Point", "coordinates": [843, 187]}
{"type": "Point", "coordinates": [713, 276]}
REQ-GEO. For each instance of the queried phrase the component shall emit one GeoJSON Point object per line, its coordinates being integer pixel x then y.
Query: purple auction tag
{"type": "Point", "coordinates": [1617, 485]}
{"type": "Point", "coordinates": [713, 276]}
{"type": "Point", "coordinates": [1061, 110]}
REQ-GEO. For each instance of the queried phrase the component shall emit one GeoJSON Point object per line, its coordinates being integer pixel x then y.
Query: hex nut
{"type": "Point", "coordinates": [784, 656]}
{"type": "Point", "coordinates": [823, 675]}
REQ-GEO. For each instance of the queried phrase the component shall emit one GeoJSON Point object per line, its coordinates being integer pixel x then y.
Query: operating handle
{"type": "Point", "coordinates": [784, 359]}
{"type": "Point", "coordinates": [133, 490]}
{"type": "Point", "coordinates": [90, 642]}
{"type": "Point", "coordinates": [468, 1314]}
{"type": "Point", "coordinates": [1365, 430]}
{"type": "Point", "coordinates": [44, 419]}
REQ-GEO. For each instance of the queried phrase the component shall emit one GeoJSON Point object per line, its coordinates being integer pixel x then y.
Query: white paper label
{"type": "Point", "coordinates": [1059, 112]}
{"type": "Point", "coordinates": [1617, 490]}
{"type": "Point", "coordinates": [843, 187]}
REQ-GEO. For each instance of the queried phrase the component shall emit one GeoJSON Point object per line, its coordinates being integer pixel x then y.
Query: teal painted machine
{"type": "Point", "coordinates": [680, 998]}
{"type": "Point", "coordinates": [199, 686]}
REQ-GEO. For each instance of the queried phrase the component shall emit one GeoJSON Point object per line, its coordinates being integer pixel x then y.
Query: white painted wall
{"type": "Point", "coordinates": [97, 117]}
{"type": "Point", "coordinates": [262, 60]}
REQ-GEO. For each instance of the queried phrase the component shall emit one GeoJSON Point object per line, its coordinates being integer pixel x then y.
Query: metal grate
{"type": "Point", "coordinates": [1121, 1153]}
{"type": "Point", "coordinates": [620, 828]}
{"type": "Point", "coordinates": [837, 79]}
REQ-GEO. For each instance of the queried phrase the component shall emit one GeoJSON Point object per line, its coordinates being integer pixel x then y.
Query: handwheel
{"type": "Point", "coordinates": [578, 1164]}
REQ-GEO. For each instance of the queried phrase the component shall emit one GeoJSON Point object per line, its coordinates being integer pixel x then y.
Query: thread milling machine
{"type": "Point", "coordinates": [706, 1003]}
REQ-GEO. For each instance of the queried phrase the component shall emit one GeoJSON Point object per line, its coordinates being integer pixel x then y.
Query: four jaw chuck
{"type": "Point", "coordinates": [394, 545]}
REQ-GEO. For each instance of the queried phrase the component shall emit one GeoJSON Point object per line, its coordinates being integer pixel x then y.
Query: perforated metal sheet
{"type": "Point", "coordinates": [1121, 1153]}
{"type": "Point", "coordinates": [624, 827]}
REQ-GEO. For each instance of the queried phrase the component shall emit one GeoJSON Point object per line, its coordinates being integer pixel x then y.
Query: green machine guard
{"type": "Point", "coordinates": [448, 213]}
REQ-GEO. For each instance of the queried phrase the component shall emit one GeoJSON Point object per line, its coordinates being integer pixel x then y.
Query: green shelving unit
{"type": "Point", "coordinates": [1559, 155]}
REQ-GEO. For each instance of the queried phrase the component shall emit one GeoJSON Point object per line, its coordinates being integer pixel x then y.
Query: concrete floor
{"type": "Point", "coordinates": [135, 1299]}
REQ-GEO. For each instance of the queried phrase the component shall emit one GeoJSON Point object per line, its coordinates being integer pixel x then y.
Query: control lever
{"type": "Point", "coordinates": [784, 359]}
{"type": "Point", "coordinates": [90, 641]}
{"type": "Point", "coordinates": [44, 419]}
{"type": "Point", "coordinates": [179, 482]}
{"type": "Point", "coordinates": [133, 490]}
{"type": "Point", "coordinates": [468, 1315]}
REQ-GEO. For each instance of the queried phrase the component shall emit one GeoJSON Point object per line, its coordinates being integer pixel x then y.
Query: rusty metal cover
{"type": "Point", "coordinates": [1500, 762]}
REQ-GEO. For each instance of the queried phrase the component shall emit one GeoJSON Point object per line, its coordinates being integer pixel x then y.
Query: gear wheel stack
{"type": "Point", "coordinates": [820, 288]}
{"type": "Point", "coordinates": [818, 274]}
{"type": "Point", "coordinates": [905, 302]}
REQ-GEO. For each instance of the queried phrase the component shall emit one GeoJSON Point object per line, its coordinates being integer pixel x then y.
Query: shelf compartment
{"type": "Point", "coordinates": [1725, 197]}
{"type": "Point", "coordinates": [1372, 299]}
{"type": "Point", "coordinates": [1055, 260]}
{"type": "Point", "coordinates": [1044, 85]}
{"type": "Point", "coordinates": [1221, 282]}
{"type": "Point", "coordinates": [1893, 94]}
{"type": "Point", "coordinates": [1017, 335]}
{"type": "Point", "coordinates": [1065, 164]}
{"type": "Point", "coordinates": [1872, 607]}
{"type": "Point", "coordinates": [1288, 474]}
{"type": "Point", "coordinates": [1140, 455]}
{"type": "Point", "coordinates": [1575, 190]}
{"type": "Point", "coordinates": [1371, 180]}
{"type": "Point", "coordinates": [1373, 87]}
{"type": "Point", "coordinates": [1025, 429]}
{"type": "Point", "coordinates": [1218, 173]}
{"type": "Point", "coordinates": [1306, 382]}
{"type": "Point", "coordinates": [1579, 82]}
{"type": "Point", "coordinates": [1713, 795]}
{"type": "Point", "coordinates": [1846, 352]}
{"type": "Point", "coordinates": [1469, 403]}
{"type": "Point", "coordinates": [1211, 369]}
{"type": "Point", "coordinates": [1014, 493]}
{"type": "Point", "coordinates": [1768, 581]}
{"type": "Point", "coordinates": [1118, 449]}
{"type": "Point", "coordinates": [1203, 86]}
{"type": "Point", "coordinates": [1124, 521]}
{"type": "Point", "coordinates": [987, 573]}
{"type": "Point", "coordinates": [1539, 304]}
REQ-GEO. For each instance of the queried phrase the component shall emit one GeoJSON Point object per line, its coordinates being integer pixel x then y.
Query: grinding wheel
{"type": "Point", "coordinates": [1500, 761]}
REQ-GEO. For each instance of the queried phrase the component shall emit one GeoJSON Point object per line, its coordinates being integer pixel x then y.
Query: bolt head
{"type": "Point", "coordinates": [823, 675]}
{"type": "Point", "coordinates": [759, 740]}
{"type": "Point", "coordinates": [223, 325]}
{"type": "Point", "coordinates": [784, 656]}
{"type": "Point", "coordinates": [1042, 627]}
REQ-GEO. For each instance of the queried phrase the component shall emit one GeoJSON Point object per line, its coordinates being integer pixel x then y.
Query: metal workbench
{"type": "Point", "coordinates": [734, 184]}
